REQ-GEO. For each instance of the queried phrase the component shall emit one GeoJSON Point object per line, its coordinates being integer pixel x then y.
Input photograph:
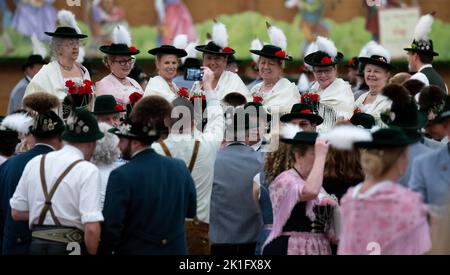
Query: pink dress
{"type": "Point", "coordinates": [387, 219]}
{"type": "Point", "coordinates": [178, 20]}
{"type": "Point", "coordinates": [284, 194]}
{"type": "Point", "coordinates": [110, 85]}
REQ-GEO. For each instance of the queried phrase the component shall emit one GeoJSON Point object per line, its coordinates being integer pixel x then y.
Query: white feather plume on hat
{"type": "Point", "coordinates": [180, 41]}
{"type": "Point", "coordinates": [327, 46]}
{"type": "Point", "coordinates": [303, 83]}
{"type": "Point", "coordinates": [423, 28]}
{"type": "Point", "coordinates": [379, 50]}
{"type": "Point", "coordinates": [343, 137]}
{"type": "Point", "coordinates": [18, 122]}
{"type": "Point", "coordinates": [121, 35]}
{"type": "Point", "coordinates": [363, 52]}
{"type": "Point", "coordinates": [277, 37]}
{"type": "Point", "coordinates": [256, 45]}
{"type": "Point", "coordinates": [67, 18]}
{"type": "Point", "coordinates": [289, 130]}
{"type": "Point", "coordinates": [38, 47]}
{"type": "Point", "coordinates": [191, 51]}
{"type": "Point", "coordinates": [220, 35]}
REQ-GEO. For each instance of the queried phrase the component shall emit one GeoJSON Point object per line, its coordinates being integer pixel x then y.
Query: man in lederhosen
{"type": "Point", "coordinates": [198, 151]}
{"type": "Point", "coordinates": [59, 193]}
{"type": "Point", "coordinates": [147, 199]}
{"type": "Point", "coordinates": [46, 129]}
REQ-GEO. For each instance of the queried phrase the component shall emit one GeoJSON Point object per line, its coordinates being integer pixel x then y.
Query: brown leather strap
{"type": "Point", "coordinates": [49, 196]}
{"type": "Point", "coordinates": [194, 155]}
{"type": "Point", "coordinates": [165, 149]}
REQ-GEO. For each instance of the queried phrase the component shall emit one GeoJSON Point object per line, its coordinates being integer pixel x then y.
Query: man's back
{"type": "Point", "coordinates": [147, 201]}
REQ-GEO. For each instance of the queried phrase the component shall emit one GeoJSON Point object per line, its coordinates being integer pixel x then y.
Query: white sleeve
{"type": "Point", "coordinates": [90, 205]}
{"type": "Point", "coordinates": [215, 127]}
{"type": "Point", "coordinates": [19, 200]}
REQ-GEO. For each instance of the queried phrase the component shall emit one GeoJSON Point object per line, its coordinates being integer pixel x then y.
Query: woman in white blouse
{"type": "Point", "coordinates": [167, 64]}
{"type": "Point", "coordinates": [376, 74]}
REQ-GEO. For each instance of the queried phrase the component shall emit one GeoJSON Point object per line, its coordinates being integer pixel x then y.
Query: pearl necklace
{"type": "Point", "coordinates": [66, 68]}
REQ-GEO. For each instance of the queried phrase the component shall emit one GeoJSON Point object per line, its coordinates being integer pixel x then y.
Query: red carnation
{"type": "Point", "coordinates": [133, 49]}
{"type": "Point", "coordinates": [70, 84]}
{"type": "Point", "coordinates": [88, 86]}
{"type": "Point", "coordinates": [357, 111]}
{"type": "Point", "coordinates": [315, 97]}
{"type": "Point", "coordinates": [72, 90]}
{"type": "Point", "coordinates": [280, 54]}
{"type": "Point", "coordinates": [257, 99]}
{"type": "Point", "coordinates": [326, 61]}
{"type": "Point", "coordinates": [118, 108]}
{"type": "Point", "coordinates": [135, 97]}
{"type": "Point", "coordinates": [183, 92]}
{"type": "Point", "coordinates": [228, 50]}
{"type": "Point", "coordinates": [306, 111]}
{"type": "Point", "coordinates": [351, 62]}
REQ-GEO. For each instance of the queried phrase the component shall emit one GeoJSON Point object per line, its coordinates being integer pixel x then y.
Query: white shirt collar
{"type": "Point", "coordinates": [73, 150]}
{"type": "Point", "coordinates": [257, 146]}
{"type": "Point", "coordinates": [425, 66]}
{"type": "Point", "coordinates": [372, 190]}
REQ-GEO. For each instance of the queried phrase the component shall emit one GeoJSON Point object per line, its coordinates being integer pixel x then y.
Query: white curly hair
{"type": "Point", "coordinates": [107, 150]}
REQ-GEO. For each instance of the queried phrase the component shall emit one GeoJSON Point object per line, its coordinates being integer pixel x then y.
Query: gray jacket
{"type": "Point", "coordinates": [234, 217]}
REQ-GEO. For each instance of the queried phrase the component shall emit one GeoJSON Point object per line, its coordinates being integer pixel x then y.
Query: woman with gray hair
{"type": "Point", "coordinates": [63, 75]}
{"type": "Point", "coordinates": [106, 156]}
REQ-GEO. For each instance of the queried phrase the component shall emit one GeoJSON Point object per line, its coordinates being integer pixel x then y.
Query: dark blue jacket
{"type": "Point", "coordinates": [17, 236]}
{"type": "Point", "coordinates": [146, 203]}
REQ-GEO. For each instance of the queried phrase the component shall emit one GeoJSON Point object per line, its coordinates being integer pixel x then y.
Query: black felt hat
{"type": "Point", "coordinates": [33, 60]}
{"type": "Point", "coordinates": [377, 60]}
{"type": "Point", "coordinates": [424, 47]}
{"type": "Point", "coordinates": [364, 120]}
{"type": "Point", "coordinates": [66, 32]}
{"type": "Point", "coordinates": [272, 52]}
{"type": "Point", "coordinates": [107, 104]}
{"type": "Point", "coordinates": [302, 110]}
{"type": "Point", "coordinates": [168, 49]}
{"type": "Point", "coordinates": [387, 138]}
{"type": "Point", "coordinates": [213, 48]}
{"type": "Point", "coordinates": [322, 59]}
{"type": "Point", "coordinates": [119, 49]}
{"type": "Point", "coordinates": [302, 138]}
{"type": "Point", "coordinates": [82, 127]}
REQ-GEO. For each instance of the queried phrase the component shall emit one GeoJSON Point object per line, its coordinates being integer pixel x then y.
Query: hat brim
{"type": "Point", "coordinates": [309, 59]}
{"type": "Point", "coordinates": [178, 52]}
{"type": "Point", "coordinates": [107, 50]}
{"type": "Point", "coordinates": [385, 144]}
{"type": "Point", "coordinates": [71, 137]}
{"type": "Point", "coordinates": [130, 135]}
{"type": "Point", "coordinates": [267, 55]}
{"type": "Point", "coordinates": [203, 49]}
{"type": "Point", "coordinates": [433, 53]}
{"type": "Point", "coordinates": [66, 35]}
{"type": "Point", "coordinates": [294, 141]}
{"type": "Point", "coordinates": [108, 112]}
{"type": "Point", "coordinates": [311, 117]}
{"type": "Point", "coordinates": [384, 65]}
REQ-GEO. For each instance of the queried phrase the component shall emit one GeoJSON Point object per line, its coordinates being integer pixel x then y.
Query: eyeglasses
{"type": "Point", "coordinates": [125, 62]}
{"type": "Point", "coordinates": [325, 71]}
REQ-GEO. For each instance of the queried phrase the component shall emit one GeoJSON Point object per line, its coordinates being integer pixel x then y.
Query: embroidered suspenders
{"type": "Point", "coordinates": [48, 196]}
{"type": "Point", "coordinates": [193, 157]}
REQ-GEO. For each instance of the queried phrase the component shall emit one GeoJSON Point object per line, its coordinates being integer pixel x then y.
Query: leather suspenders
{"type": "Point", "coordinates": [48, 196]}
{"type": "Point", "coordinates": [193, 157]}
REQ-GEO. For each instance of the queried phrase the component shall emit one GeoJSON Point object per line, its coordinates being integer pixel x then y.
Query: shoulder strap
{"type": "Point", "coordinates": [165, 149]}
{"type": "Point", "coordinates": [49, 196]}
{"type": "Point", "coordinates": [194, 155]}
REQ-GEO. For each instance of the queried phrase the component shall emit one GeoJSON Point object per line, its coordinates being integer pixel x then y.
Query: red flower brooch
{"type": "Point", "coordinates": [257, 99]}
{"type": "Point", "coordinates": [228, 50]}
{"type": "Point", "coordinates": [183, 92]}
{"type": "Point", "coordinates": [135, 97]}
{"type": "Point", "coordinates": [326, 61]}
{"type": "Point", "coordinates": [306, 111]}
{"type": "Point", "coordinates": [357, 111]}
{"type": "Point", "coordinates": [133, 49]}
{"type": "Point", "coordinates": [281, 54]}
{"type": "Point", "coordinates": [310, 98]}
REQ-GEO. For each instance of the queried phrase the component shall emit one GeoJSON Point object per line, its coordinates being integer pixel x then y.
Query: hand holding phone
{"type": "Point", "coordinates": [193, 74]}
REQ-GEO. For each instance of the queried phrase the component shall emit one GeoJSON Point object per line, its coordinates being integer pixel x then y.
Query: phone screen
{"type": "Point", "coordinates": [193, 74]}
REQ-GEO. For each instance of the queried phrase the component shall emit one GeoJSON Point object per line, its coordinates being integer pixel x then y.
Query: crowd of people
{"type": "Point", "coordinates": [219, 168]}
